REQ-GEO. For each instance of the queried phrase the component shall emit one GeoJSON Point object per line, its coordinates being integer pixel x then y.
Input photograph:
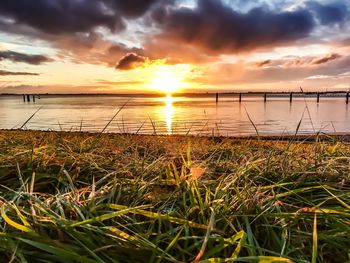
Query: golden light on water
{"type": "Point", "coordinates": [169, 113]}
{"type": "Point", "coordinates": [168, 80]}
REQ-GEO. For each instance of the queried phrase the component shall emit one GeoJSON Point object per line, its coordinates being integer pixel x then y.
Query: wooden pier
{"type": "Point", "coordinates": [290, 95]}
{"type": "Point", "coordinates": [26, 97]}
{"type": "Point", "coordinates": [241, 95]}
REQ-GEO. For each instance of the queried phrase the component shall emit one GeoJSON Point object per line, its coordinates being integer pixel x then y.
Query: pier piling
{"type": "Point", "coordinates": [28, 98]}
{"type": "Point", "coordinates": [265, 97]}
{"type": "Point", "coordinates": [240, 97]}
{"type": "Point", "coordinates": [24, 98]}
{"type": "Point", "coordinates": [33, 98]}
{"type": "Point", "coordinates": [291, 97]}
{"type": "Point", "coordinates": [318, 97]}
{"type": "Point", "coordinates": [347, 98]}
{"type": "Point", "coordinates": [217, 97]}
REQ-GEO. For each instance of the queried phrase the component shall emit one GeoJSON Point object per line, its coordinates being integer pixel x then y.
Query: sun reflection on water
{"type": "Point", "coordinates": [169, 113]}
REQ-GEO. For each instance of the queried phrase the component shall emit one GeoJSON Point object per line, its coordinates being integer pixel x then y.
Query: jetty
{"type": "Point", "coordinates": [288, 95]}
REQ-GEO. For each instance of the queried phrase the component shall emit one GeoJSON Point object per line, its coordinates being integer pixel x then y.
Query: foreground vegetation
{"type": "Point", "coordinates": [74, 197]}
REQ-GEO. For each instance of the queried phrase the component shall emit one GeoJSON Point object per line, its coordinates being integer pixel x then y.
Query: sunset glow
{"type": "Point", "coordinates": [195, 46]}
{"type": "Point", "coordinates": [167, 79]}
{"type": "Point", "coordinates": [175, 131]}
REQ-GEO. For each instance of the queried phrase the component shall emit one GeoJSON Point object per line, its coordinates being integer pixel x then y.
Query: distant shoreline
{"type": "Point", "coordinates": [192, 94]}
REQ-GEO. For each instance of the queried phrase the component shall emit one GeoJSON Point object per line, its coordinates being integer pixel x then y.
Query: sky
{"type": "Point", "coordinates": [148, 46]}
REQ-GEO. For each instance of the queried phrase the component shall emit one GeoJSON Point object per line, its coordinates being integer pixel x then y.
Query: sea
{"type": "Point", "coordinates": [183, 115]}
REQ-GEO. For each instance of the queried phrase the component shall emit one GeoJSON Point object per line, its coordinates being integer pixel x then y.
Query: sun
{"type": "Point", "coordinates": [167, 80]}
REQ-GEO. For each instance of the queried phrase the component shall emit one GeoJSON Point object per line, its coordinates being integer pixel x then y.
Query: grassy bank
{"type": "Point", "coordinates": [69, 197]}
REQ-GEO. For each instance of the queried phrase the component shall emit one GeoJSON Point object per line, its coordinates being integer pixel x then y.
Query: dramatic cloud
{"type": "Point", "coordinates": [187, 34]}
{"type": "Point", "coordinates": [73, 26]}
{"type": "Point", "coordinates": [134, 8]}
{"type": "Point", "coordinates": [74, 16]}
{"type": "Point", "coordinates": [131, 61]}
{"type": "Point", "coordinates": [116, 50]}
{"type": "Point", "coordinates": [25, 58]}
{"type": "Point", "coordinates": [11, 73]}
{"type": "Point", "coordinates": [335, 13]}
{"type": "Point", "coordinates": [214, 26]}
{"type": "Point", "coordinates": [268, 41]}
{"type": "Point", "coordinates": [61, 16]}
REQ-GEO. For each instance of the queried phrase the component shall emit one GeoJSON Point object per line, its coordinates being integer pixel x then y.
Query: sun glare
{"type": "Point", "coordinates": [168, 113]}
{"type": "Point", "coordinates": [167, 80]}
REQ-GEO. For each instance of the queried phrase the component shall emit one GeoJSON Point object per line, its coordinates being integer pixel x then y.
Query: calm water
{"type": "Point", "coordinates": [177, 115]}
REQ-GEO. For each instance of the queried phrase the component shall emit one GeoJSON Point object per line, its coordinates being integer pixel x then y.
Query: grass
{"type": "Point", "coordinates": [79, 197]}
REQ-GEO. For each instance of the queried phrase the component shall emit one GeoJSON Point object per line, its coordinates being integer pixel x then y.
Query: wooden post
{"type": "Point", "coordinates": [28, 98]}
{"type": "Point", "coordinates": [33, 98]}
{"type": "Point", "coordinates": [217, 97]}
{"type": "Point", "coordinates": [265, 97]}
{"type": "Point", "coordinates": [291, 97]}
{"type": "Point", "coordinates": [24, 98]}
{"type": "Point", "coordinates": [240, 97]}
{"type": "Point", "coordinates": [318, 97]}
{"type": "Point", "coordinates": [347, 98]}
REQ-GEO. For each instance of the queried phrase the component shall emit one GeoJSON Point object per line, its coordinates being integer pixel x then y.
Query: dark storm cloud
{"type": "Point", "coordinates": [215, 26]}
{"type": "Point", "coordinates": [70, 26]}
{"type": "Point", "coordinates": [12, 73]}
{"type": "Point", "coordinates": [117, 50]}
{"type": "Point", "coordinates": [72, 16]}
{"type": "Point", "coordinates": [60, 16]}
{"type": "Point", "coordinates": [133, 8]}
{"type": "Point", "coordinates": [335, 13]}
{"type": "Point", "coordinates": [131, 61]}
{"type": "Point", "coordinates": [200, 33]}
{"type": "Point", "coordinates": [25, 58]}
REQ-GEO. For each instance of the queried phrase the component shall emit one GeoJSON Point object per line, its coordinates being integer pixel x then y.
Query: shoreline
{"type": "Point", "coordinates": [341, 136]}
